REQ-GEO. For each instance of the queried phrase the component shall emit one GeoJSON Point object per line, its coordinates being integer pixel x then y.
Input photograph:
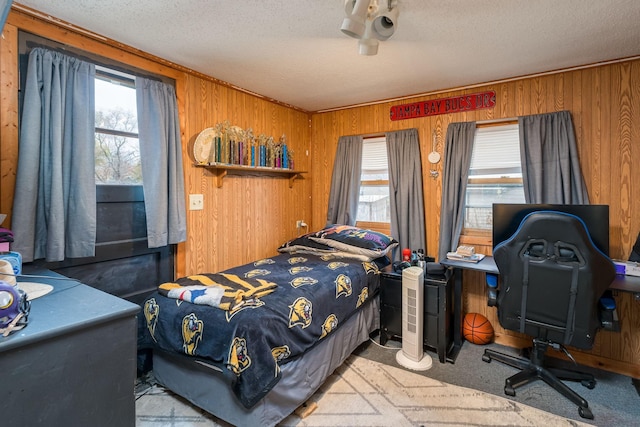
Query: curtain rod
{"type": "Point", "coordinates": [373, 135]}
{"type": "Point", "coordinates": [511, 120]}
{"type": "Point", "coordinates": [479, 123]}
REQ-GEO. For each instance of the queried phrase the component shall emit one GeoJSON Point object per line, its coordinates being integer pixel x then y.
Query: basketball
{"type": "Point", "coordinates": [477, 329]}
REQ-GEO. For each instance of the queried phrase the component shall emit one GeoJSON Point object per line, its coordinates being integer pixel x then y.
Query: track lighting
{"type": "Point", "coordinates": [354, 24]}
{"type": "Point", "coordinates": [370, 21]}
{"type": "Point", "coordinates": [384, 25]}
{"type": "Point", "coordinates": [368, 45]}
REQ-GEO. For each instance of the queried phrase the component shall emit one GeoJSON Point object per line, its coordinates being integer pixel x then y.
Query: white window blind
{"type": "Point", "coordinates": [495, 175]}
{"type": "Point", "coordinates": [375, 165]}
{"type": "Point", "coordinates": [373, 204]}
{"type": "Point", "coordinates": [496, 152]}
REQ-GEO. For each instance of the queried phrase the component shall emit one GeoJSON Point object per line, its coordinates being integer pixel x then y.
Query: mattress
{"type": "Point", "coordinates": [202, 384]}
{"type": "Point", "coordinates": [293, 303]}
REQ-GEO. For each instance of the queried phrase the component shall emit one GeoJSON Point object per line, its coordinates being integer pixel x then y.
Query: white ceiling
{"type": "Point", "coordinates": [293, 50]}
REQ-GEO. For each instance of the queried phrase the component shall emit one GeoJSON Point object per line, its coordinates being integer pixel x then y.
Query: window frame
{"type": "Point", "coordinates": [127, 245]}
{"type": "Point", "coordinates": [471, 235]}
{"type": "Point", "coordinates": [115, 69]}
{"type": "Point", "coordinates": [379, 226]}
{"type": "Point", "coordinates": [128, 80]}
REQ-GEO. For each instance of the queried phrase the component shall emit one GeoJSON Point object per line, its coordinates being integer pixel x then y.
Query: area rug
{"type": "Point", "coordinates": [362, 392]}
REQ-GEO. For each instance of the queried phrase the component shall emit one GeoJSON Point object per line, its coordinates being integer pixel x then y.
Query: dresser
{"type": "Point", "coordinates": [74, 364]}
{"type": "Point", "coordinates": [440, 308]}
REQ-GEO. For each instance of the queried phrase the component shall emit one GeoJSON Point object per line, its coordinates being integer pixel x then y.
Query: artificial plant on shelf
{"type": "Point", "coordinates": [262, 150]}
{"type": "Point", "coordinates": [270, 152]}
{"type": "Point", "coordinates": [219, 127]}
{"type": "Point", "coordinates": [284, 159]}
{"type": "Point", "coordinates": [251, 147]}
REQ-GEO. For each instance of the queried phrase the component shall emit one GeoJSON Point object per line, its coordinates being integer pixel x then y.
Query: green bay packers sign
{"type": "Point", "coordinates": [456, 104]}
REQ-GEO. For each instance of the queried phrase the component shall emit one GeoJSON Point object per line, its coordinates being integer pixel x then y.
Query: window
{"type": "Point", "coordinates": [495, 175]}
{"type": "Point", "coordinates": [373, 204]}
{"type": "Point", "coordinates": [117, 151]}
{"type": "Point", "coordinates": [121, 228]}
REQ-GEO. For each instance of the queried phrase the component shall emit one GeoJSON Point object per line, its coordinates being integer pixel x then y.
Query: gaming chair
{"type": "Point", "coordinates": [551, 280]}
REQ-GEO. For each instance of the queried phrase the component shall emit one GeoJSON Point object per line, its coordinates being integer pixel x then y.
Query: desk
{"type": "Point", "coordinates": [488, 265]}
{"type": "Point", "coordinates": [627, 284]}
{"type": "Point", "coordinates": [74, 364]}
{"type": "Point", "coordinates": [485, 265]}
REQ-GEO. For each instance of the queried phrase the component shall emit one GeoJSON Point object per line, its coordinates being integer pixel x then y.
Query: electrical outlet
{"type": "Point", "coordinates": [299, 223]}
{"type": "Point", "coordinates": [196, 202]}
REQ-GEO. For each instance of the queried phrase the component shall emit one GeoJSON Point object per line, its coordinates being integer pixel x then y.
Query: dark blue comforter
{"type": "Point", "coordinates": [250, 341]}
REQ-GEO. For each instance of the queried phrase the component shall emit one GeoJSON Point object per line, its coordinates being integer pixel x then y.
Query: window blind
{"type": "Point", "coordinates": [496, 151]}
{"type": "Point", "coordinates": [374, 159]}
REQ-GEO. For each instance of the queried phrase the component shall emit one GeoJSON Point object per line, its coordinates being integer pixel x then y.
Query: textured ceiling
{"type": "Point", "coordinates": [293, 50]}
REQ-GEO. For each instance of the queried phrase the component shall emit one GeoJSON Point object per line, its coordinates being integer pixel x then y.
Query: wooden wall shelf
{"type": "Point", "coordinates": [222, 170]}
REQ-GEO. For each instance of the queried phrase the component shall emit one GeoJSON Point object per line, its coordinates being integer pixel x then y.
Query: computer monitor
{"type": "Point", "coordinates": [508, 216]}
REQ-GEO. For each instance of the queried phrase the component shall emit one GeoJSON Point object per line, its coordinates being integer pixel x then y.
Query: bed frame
{"type": "Point", "coordinates": [203, 385]}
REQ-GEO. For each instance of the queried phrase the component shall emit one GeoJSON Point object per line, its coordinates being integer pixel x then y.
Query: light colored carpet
{"type": "Point", "coordinates": [366, 393]}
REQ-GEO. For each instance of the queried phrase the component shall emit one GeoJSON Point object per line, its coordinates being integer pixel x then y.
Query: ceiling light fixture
{"type": "Point", "coordinates": [384, 24]}
{"type": "Point", "coordinates": [369, 21]}
{"type": "Point", "coordinates": [367, 45]}
{"type": "Point", "coordinates": [354, 24]}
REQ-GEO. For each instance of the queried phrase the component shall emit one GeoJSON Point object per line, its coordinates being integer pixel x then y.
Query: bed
{"type": "Point", "coordinates": [252, 343]}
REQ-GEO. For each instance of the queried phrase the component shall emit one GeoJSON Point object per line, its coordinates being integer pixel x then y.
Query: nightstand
{"type": "Point", "coordinates": [74, 364]}
{"type": "Point", "coordinates": [439, 333]}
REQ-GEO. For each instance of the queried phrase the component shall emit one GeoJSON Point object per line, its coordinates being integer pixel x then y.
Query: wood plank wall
{"type": "Point", "coordinates": [605, 104]}
{"type": "Point", "coordinates": [244, 220]}
{"type": "Point", "coordinates": [250, 215]}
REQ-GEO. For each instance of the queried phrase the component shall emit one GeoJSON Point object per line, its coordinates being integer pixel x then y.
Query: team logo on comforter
{"type": "Point", "coordinates": [264, 262]}
{"type": "Point", "coordinates": [364, 294]}
{"type": "Point", "coordinates": [343, 285]}
{"type": "Point", "coordinates": [239, 359]}
{"type": "Point", "coordinates": [297, 260]}
{"type": "Point", "coordinates": [330, 323]}
{"type": "Point", "coordinates": [370, 267]}
{"type": "Point", "coordinates": [280, 353]}
{"type": "Point", "coordinates": [301, 281]}
{"type": "Point", "coordinates": [297, 270]}
{"type": "Point", "coordinates": [337, 264]}
{"type": "Point", "coordinates": [151, 311]}
{"type": "Point", "coordinates": [256, 272]}
{"type": "Point", "coordinates": [191, 333]}
{"type": "Point", "coordinates": [300, 313]}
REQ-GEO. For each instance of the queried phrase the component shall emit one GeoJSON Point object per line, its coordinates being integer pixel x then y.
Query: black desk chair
{"type": "Point", "coordinates": [552, 278]}
{"type": "Point", "coordinates": [635, 251]}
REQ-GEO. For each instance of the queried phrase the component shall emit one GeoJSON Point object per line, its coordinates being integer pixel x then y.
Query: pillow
{"type": "Point", "coordinates": [348, 255]}
{"type": "Point", "coordinates": [355, 240]}
{"type": "Point", "coordinates": [303, 244]}
{"type": "Point", "coordinates": [381, 262]}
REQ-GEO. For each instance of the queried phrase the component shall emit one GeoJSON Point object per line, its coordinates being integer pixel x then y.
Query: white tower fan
{"type": "Point", "coordinates": [411, 355]}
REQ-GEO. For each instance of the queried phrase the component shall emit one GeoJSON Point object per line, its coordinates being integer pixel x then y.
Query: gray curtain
{"type": "Point", "coordinates": [345, 181]}
{"type": "Point", "coordinates": [161, 157]}
{"type": "Point", "coordinates": [405, 190]}
{"type": "Point", "coordinates": [5, 6]}
{"type": "Point", "coordinates": [550, 166]}
{"type": "Point", "coordinates": [457, 161]}
{"type": "Point", "coordinates": [54, 209]}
